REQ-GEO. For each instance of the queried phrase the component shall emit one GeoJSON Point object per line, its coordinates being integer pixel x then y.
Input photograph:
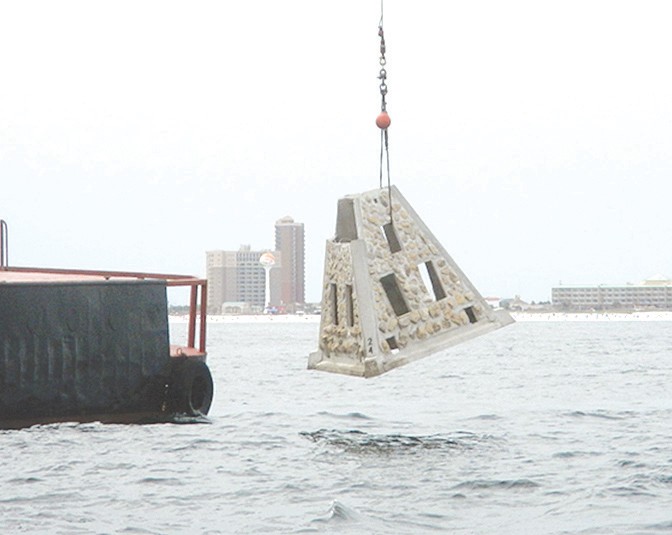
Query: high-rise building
{"type": "Point", "coordinates": [237, 277]}
{"type": "Point", "coordinates": [289, 241]}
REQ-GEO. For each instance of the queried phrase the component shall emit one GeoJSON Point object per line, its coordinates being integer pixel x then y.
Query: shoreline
{"type": "Point", "coordinates": [521, 317]}
{"type": "Point", "coordinates": [252, 318]}
{"type": "Point", "coordinates": [660, 315]}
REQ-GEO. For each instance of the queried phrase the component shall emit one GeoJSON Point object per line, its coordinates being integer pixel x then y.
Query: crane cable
{"type": "Point", "coordinates": [383, 119]}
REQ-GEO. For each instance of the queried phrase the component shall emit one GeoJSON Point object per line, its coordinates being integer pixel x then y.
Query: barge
{"type": "Point", "coordinates": [84, 345]}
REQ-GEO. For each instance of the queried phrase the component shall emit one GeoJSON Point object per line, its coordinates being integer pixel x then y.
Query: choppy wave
{"type": "Point", "coordinates": [548, 428]}
{"type": "Point", "coordinates": [338, 512]}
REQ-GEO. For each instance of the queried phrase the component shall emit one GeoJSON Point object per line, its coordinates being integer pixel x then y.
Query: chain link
{"type": "Point", "coordinates": [382, 75]}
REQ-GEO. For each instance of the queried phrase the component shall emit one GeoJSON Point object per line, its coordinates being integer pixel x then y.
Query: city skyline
{"type": "Point", "coordinates": [247, 280]}
{"type": "Point", "coordinates": [533, 157]}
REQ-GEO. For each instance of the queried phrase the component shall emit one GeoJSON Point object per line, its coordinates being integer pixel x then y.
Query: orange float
{"type": "Point", "coordinates": [383, 120]}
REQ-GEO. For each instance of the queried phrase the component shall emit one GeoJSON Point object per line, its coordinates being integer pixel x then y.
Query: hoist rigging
{"type": "Point", "coordinates": [383, 120]}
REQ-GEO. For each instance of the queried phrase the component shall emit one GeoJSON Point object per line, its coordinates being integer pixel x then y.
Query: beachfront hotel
{"type": "Point", "coordinates": [237, 281]}
{"type": "Point", "coordinates": [655, 292]}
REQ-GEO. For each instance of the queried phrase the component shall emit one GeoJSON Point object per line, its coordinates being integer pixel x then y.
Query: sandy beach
{"type": "Point", "coordinates": [253, 318]}
{"type": "Point", "coordinates": [593, 316]}
{"type": "Point", "coordinates": [518, 316]}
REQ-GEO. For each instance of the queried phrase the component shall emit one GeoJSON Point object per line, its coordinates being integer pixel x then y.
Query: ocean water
{"type": "Point", "coordinates": [539, 428]}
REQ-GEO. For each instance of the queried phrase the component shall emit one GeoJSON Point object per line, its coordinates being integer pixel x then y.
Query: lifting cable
{"type": "Point", "coordinates": [383, 119]}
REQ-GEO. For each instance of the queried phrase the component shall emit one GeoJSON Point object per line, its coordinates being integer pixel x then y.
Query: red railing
{"type": "Point", "coordinates": [4, 244]}
{"type": "Point", "coordinates": [193, 309]}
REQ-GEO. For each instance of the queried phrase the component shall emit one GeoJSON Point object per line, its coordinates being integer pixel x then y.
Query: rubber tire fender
{"type": "Point", "coordinates": [192, 387]}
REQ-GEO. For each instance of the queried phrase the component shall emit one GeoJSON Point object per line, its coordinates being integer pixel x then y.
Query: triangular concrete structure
{"type": "Point", "coordinates": [378, 310]}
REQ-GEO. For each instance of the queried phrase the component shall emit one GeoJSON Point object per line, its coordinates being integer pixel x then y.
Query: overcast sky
{"type": "Point", "coordinates": [533, 138]}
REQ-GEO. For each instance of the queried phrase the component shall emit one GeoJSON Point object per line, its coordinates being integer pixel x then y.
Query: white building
{"type": "Point", "coordinates": [655, 292]}
{"type": "Point", "coordinates": [238, 277]}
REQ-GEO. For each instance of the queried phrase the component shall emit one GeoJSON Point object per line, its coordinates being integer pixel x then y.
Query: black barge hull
{"type": "Point", "coordinates": [93, 351]}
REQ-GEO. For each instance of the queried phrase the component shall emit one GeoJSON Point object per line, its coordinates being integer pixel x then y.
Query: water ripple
{"type": "Point", "coordinates": [348, 416]}
{"type": "Point", "coordinates": [665, 526]}
{"type": "Point", "coordinates": [354, 441]}
{"type": "Point", "coordinates": [506, 484]}
{"type": "Point", "coordinates": [603, 414]}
